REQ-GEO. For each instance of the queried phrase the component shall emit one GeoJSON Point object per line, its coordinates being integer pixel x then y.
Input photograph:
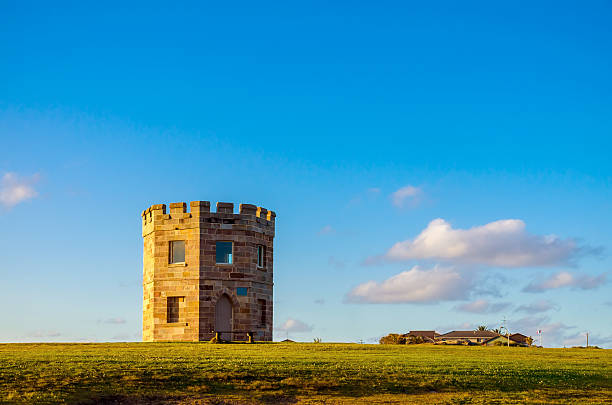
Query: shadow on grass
{"type": "Point", "coordinates": [265, 399]}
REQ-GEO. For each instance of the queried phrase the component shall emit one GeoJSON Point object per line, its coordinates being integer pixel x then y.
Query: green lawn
{"type": "Point", "coordinates": [300, 373]}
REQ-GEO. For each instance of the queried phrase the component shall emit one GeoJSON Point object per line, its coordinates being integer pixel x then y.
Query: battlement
{"type": "Point", "coordinates": [179, 210]}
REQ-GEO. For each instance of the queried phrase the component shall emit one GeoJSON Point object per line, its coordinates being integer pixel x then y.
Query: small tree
{"type": "Point", "coordinates": [481, 328]}
{"type": "Point", "coordinates": [392, 339]}
{"type": "Point", "coordinates": [529, 341]}
{"type": "Point", "coordinates": [415, 340]}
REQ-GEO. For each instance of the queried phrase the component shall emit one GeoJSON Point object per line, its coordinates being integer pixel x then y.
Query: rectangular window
{"type": "Point", "coordinates": [261, 256]}
{"type": "Point", "coordinates": [241, 291]}
{"type": "Point", "coordinates": [262, 312]}
{"type": "Point", "coordinates": [177, 251]}
{"type": "Point", "coordinates": [173, 314]}
{"type": "Point", "coordinates": [224, 252]}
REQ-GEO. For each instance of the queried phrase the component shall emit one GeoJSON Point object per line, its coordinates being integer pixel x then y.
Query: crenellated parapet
{"type": "Point", "coordinates": [178, 214]}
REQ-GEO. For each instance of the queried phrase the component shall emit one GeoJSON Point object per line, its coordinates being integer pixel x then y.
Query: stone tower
{"type": "Point", "coordinates": [207, 271]}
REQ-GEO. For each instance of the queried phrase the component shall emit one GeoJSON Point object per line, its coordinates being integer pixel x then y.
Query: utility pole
{"type": "Point", "coordinates": [507, 331]}
{"type": "Point", "coordinates": [539, 331]}
{"type": "Point", "coordinates": [587, 339]}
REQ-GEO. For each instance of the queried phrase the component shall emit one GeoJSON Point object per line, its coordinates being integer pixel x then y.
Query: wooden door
{"type": "Point", "coordinates": [223, 317]}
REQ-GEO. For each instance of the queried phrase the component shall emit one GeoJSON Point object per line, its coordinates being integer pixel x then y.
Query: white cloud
{"type": "Point", "coordinates": [44, 334]}
{"type": "Point", "coordinates": [579, 339]}
{"type": "Point", "coordinates": [537, 307]}
{"type": "Point", "coordinates": [406, 195]}
{"type": "Point", "coordinates": [414, 286]}
{"type": "Point", "coordinates": [326, 230]}
{"type": "Point", "coordinates": [482, 307]}
{"type": "Point", "coordinates": [503, 243]}
{"type": "Point", "coordinates": [566, 279]}
{"type": "Point", "coordinates": [374, 190]}
{"type": "Point", "coordinates": [114, 321]}
{"type": "Point", "coordinates": [15, 189]}
{"type": "Point", "coordinates": [337, 264]}
{"type": "Point", "coordinates": [455, 326]}
{"type": "Point", "coordinates": [125, 337]}
{"type": "Point", "coordinates": [553, 332]}
{"type": "Point", "coordinates": [294, 325]}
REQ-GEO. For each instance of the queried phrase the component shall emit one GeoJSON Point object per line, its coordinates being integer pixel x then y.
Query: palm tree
{"type": "Point", "coordinates": [481, 328]}
{"type": "Point", "coordinates": [496, 330]}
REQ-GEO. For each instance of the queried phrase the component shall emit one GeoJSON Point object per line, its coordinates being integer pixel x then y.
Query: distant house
{"type": "Point", "coordinates": [468, 336]}
{"type": "Point", "coordinates": [519, 337]}
{"type": "Point", "coordinates": [428, 336]}
{"type": "Point", "coordinates": [516, 339]}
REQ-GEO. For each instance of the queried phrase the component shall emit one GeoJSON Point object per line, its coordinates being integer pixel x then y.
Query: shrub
{"type": "Point", "coordinates": [415, 340]}
{"type": "Point", "coordinates": [392, 339]}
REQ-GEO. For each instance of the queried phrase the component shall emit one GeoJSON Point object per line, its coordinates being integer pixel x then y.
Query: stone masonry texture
{"type": "Point", "coordinates": [200, 282]}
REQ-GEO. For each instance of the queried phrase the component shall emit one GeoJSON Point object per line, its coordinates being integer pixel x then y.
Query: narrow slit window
{"type": "Point", "coordinates": [174, 309]}
{"type": "Point", "coordinates": [177, 251]}
{"type": "Point", "coordinates": [262, 312]}
{"type": "Point", "coordinates": [261, 256]}
{"type": "Point", "coordinates": [224, 252]}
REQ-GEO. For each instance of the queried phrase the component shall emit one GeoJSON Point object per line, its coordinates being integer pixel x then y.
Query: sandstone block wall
{"type": "Point", "coordinates": [202, 281]}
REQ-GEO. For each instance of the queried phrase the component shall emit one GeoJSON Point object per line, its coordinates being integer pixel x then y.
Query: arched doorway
{"type": "Point", "coordinates": [223, 317]}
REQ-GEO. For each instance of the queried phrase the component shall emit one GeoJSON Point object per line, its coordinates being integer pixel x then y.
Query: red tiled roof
{"type": "Point", "coordinates": [469, 334]}
{"type": "Point", "coordinates": [431, 334]}
{"type": "Point", "coordinates": [519, 337]}
{"type": "Point", "coordinates": [512, 339]}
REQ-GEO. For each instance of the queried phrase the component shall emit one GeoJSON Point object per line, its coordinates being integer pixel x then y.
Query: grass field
{"type": "Point", "coordinates": [300, 373]}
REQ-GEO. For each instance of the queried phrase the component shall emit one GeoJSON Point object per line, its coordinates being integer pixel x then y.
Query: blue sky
{"type": "Point", "coordinates": [438, 166]}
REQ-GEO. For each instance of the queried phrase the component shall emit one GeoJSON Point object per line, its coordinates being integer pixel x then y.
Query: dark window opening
{"type": "Point", "coordinates": [177, 251]}
{"type": "Point", "coordinates": [261, 256]}
{"type": "Point", "coordinates": [174, 309]}
{"type": "Point", "coordinates": [224, 252]}
{"type": "Point", "coordinates": [242, 291]}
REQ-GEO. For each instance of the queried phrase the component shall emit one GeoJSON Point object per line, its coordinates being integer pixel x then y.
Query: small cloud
{"type": "Point", "coordinates": [577, 339]}
{"type": "Point", "coordinates": [369, 194]}
{"type": "Point", "coordinates": [489, 284]}
{"type": "Point", "coordinates": [408, 195]}
{"type": "Point", "coordinates": [44, 334]}
{"type": "Point", "coordinates": [124, 337]}
{"type": "Point", "coordinates": [482, 307]}
{"type": "Point", "coordinates": [85, 340]}
{"type": "Point", "coordinates": [503, 243]}
{"type": "Point", "coordinates": [319, 301]}
{"type": "Point", "coordinates": [566, 279]}
{"type": "Point", "coordinates": [294, 325]}
{"type": "Point", "coordinates": [326, 230]}
{"type": "Point", "coordinates": [15, 189]}
{"type": "Point", "coordinates": [338, 264]}
{"type": "Point", "coordinates": [553, 333]}
{"type": "Point", "coordinates": [113, 321]}
{"type": "Point", "coordinates": [459, 326]}
{"type": "Point", "coordinates": [537, 307]}
{"type": "Point", "coordinates": [416, 285]}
